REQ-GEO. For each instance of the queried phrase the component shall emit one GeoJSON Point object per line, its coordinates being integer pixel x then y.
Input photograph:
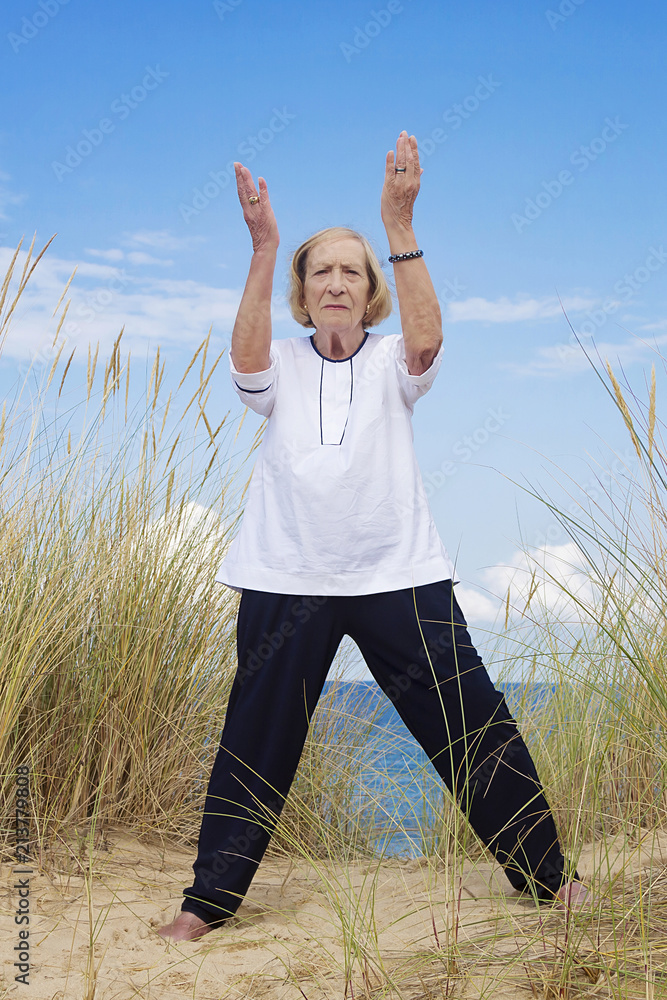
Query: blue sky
{"type": "Point", "coordinates": [544, 161]}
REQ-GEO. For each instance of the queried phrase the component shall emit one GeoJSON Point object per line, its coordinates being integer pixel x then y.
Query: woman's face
{"type": "Point", "coordinates": [336, 289]}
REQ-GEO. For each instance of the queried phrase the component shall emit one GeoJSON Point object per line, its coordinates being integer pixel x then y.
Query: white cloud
{"type": "Point", "coordinates": [477, 606]}
{"type": "Point", "coordinates": [139, 257]}
{"type": "Point", "coordinates": [560, 359]}
{"type": "Point", "coordinates": [194, 528]}
{"type": "Point", "coordinates": [196, 538]}
{"type": "Point", "coordinates": [106, 254]}
{"type": "Point", "coordinates": [104, 298]}
{"type": "Point", "coordinates": [136, 257]}
{"type": "Point", "coordinates": [523, 307]}
{"type": "Point", "coordinates": [659, 325]}
{"type": "Point", "coordinates": [551, 579]}
{"type": "Point", "coordinates": [161, 239]}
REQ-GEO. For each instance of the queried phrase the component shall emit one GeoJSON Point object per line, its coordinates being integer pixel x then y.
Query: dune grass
{"type": "Point", "coordinates": [117, 652]}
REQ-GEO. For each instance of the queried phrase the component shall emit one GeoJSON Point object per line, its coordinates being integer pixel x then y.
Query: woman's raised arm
{"type": "Point", "coordinates": [421, 320]}
{"type": "Point", "coordinates": [251, 336]}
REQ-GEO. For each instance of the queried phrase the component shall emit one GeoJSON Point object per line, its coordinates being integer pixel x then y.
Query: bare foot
{"type": "Point", "coordinates": [572, 896]}
{"type": "Point", "coordinates": [186, 927]}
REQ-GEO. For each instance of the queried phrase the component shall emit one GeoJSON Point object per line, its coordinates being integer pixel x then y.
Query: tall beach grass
{"type": "Point", "coordinates": [117, 652]}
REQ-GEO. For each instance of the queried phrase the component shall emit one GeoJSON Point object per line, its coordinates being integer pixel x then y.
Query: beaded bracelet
{"type": "Point", "coordinates": [405, 256]}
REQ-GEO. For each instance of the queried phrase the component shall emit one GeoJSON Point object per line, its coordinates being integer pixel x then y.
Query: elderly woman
{"type": "Point", "coordinates": [337, 539]}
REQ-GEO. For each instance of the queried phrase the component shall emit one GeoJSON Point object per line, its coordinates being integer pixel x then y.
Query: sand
{"type": "Point", "coordinates": [406, 929]}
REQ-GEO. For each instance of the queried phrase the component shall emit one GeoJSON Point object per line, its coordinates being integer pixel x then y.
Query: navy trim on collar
{"type": "Point", "coordinates": [338, 360]}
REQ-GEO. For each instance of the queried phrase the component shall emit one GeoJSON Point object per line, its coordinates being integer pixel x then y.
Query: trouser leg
{"type": "Point", "coordinates": [285, 647]}
{"type": "Point", "coordinates": [448, 702]}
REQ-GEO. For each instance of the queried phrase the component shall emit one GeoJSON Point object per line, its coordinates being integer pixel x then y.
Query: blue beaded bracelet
{"type": "Point", "coordinates": [405, 256]}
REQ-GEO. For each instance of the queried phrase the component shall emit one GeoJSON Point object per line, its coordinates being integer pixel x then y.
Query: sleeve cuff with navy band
{"type": "Point", "coordinates": [256, 389]}
{"type": "Point", "coordinates": [252, 381]}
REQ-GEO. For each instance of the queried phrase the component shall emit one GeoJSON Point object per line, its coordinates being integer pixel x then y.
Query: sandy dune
{"type": "Point", "coordinates": [430, 930]}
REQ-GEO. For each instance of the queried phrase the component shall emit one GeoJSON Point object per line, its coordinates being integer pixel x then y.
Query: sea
{"type": "Point", "coordinates": [399, 791]}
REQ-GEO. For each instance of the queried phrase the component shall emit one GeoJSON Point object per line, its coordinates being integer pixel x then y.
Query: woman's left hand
{"type": "Point", "coordinates": [400, 187]}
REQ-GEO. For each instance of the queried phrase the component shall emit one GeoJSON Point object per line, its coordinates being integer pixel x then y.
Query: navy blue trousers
{"type": "Point", "coordinates": [416, 644]}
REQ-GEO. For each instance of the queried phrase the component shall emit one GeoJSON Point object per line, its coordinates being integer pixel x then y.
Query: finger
{"type": "Point", "coordinates": [247, 176]}
{"type": "Point", "coordinates": [396, 159]}
{"type": "Point", "coordinates": [414, 156]}
{"type": "Point", "coordinates": [245, 185]}
{"type": "Point", "coordinates": [400, 151]}
{"type": "Point", "coordinates": [404, 158]}
{"type": "Point", "coordinates": [409, 155]}
{"type": "Point", "coordinates": [240, 182]}
{"type": "Point", "coordinates": [263, 192]}
{"type": "Point", "coordinates": [252, 190]}
{"type": "Point", "coordinates": [389, 167]}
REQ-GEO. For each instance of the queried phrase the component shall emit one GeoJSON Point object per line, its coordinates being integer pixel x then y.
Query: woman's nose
{"type": "Point", "coordinates": [336, 281]}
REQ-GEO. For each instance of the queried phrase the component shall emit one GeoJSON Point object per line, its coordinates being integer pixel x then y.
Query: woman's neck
{"type": "Point", "coordinates": [336, 345]}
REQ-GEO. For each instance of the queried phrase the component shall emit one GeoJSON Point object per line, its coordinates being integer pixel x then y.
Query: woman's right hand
{"type": "Point", "coordinates": [259, 217]}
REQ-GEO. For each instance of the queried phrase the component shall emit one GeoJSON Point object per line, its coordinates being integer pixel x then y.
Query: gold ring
{"type": "Point", "coordinates": [253, 199]}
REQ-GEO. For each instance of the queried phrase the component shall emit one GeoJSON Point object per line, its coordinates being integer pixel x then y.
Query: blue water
{"type": "Point", "coordinates": [407, 791]}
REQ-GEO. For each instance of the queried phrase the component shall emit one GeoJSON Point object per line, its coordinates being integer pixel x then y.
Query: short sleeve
{"type": "Point", "coordinates": [414, 386]}
{"type": "Point", "coordinates": [257, 389]}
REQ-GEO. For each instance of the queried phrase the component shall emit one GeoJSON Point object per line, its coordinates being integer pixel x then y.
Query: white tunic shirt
{"type": "Point", "coordinates": [336, 503]}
